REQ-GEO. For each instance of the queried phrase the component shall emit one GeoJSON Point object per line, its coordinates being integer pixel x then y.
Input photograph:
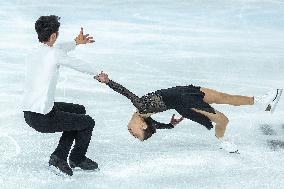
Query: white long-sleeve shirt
{"type": "Point", "coordinates": [42, 75]}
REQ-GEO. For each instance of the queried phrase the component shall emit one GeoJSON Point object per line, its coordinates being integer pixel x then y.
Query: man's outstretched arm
{"type": "Point", "coordinates": [80, 39]}
{"type": "Point", "coordinates": [66, 46]}
{"type": "Point", "coordinates": [74, 63]}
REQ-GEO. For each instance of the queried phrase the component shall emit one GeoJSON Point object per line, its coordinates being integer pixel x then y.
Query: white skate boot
{"type": "Point", "coordinates": [272, 106]}
{"type": "Point", "coordinates": [228, 146]}
{"type": "Point", "coordinates": [268, 101]}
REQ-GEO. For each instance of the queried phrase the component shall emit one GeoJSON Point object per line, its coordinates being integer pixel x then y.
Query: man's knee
{"type": "Point", "coordinates": [82, 109]}
{"type": "Point", "coordinates": [91, 121]}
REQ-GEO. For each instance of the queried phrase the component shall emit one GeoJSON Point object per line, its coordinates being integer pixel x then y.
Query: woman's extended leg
{"type": "Point", "coordinates": [215, 97]}
{"type": "Point", "coordinates": [219, 118]}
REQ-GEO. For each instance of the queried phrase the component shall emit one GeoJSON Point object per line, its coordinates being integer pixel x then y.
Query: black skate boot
{"type": "Point", "coordinates": [86, 164]}
{"type": "Point", "coordinates": [60, 165]}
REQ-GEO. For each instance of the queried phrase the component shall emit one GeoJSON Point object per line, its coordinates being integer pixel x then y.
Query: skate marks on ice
{"type": "Point", "coordinates": [267, 130]}
{"type": "Point", "coordinates": [275, 141]}
{"type": "Point", "coordinates": [275, 144]}
{"type": "Point", "coordinates": [9, 147]}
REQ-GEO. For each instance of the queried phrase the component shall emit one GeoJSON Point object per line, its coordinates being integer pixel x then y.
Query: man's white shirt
{"type": "Point", "coordinates": [42, 75]}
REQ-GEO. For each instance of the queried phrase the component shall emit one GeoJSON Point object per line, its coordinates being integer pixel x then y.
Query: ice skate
{"type": "Point", "coordinates": [87, 164]}
{"type": "Point", "coordinates": [228, 146]}
{"type": "Point", "coordinates": [268, 100]}
{"type": "Point", "coordinates": [272, 106]}
{"type": "Point", "coordinates": [59, 166]}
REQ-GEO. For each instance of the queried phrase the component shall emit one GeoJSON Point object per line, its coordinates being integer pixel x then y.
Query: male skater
{"type": "Point", "coordinates": [47, 116]}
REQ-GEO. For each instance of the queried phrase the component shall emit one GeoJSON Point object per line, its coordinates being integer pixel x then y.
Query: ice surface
{"type": "Point", "coordinates": [231, 46]}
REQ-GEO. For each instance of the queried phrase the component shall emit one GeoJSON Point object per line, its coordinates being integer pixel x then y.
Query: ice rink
{"type": "Point", "coordinates": [231, 46]}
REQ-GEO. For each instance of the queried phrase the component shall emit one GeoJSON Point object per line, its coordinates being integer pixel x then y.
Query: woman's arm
{"type": "Point", "coordinates": [122, 90]}
{"type": "Point", "coordinates": [103, 78]}
{"type": "Point", "coordinates": [159, 125]}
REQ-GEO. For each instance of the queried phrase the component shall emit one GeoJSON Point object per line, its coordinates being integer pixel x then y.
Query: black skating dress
{"type": "Point", "coordinates": [180, 98]}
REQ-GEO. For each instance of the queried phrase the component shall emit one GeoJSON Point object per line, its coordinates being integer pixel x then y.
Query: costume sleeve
{"type": "Point", "coordinates": [74, 63]}
{"type": "Point", "coordinates": [67, 46]}
{"type": "Point", "coordinates": [128, 94]}
{"type": "Point", "coordinates": [157, 124]}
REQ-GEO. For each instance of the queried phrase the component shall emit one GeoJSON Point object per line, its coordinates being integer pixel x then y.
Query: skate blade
{"type": "Point", "coordinates": [78, 169]}
{"type": "Point", "coordinates": [57, 172]}
{"type": "Point", "coordinates": [277, 99]}
{"type": "Point", "coordinates": [235, 152]}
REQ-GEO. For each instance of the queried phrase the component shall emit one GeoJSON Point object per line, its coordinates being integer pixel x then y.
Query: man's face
{"type": "Point", "coordinates": [136, 126]}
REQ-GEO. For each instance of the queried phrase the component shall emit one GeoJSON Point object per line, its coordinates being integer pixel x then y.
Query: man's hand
{"type": "Point", "coordinates": [83, 39]}
{"type": "Point", "coordinates": [175, 121]}
{"type": "Point", "coordinates": [102, 77]}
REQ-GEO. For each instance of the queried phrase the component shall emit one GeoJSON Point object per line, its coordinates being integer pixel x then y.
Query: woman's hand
{"type": "Point", "coordinates": [175, 121]}
{"type": "Point", "coordinates": [102, 77]}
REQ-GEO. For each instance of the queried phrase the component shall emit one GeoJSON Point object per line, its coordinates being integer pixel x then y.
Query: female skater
{"type": "Point", "coordinates": [190, 102]}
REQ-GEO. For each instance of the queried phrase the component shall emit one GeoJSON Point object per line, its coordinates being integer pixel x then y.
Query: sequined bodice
{"type": "Point", "coordinates": [149, 103]}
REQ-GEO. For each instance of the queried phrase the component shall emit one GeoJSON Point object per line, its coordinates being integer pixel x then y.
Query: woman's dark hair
{"type": "Point", "coordinates": [45, 26]}
{"type": "Point", "coordinates": [149, 131]}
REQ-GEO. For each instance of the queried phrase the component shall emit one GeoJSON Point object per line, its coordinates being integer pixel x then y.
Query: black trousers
{"type": "Point", "coordinates": [71, 119]}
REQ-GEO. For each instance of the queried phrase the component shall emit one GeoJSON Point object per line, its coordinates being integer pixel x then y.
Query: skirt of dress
{"type": "Point", "coordinates": [183, 99]}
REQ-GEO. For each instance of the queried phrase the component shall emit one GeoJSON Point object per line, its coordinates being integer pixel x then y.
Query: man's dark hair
{"type": "Point", "coordinates": [45, 26]}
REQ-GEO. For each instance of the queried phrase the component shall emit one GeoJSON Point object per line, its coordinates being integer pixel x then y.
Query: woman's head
{"type": "Point", "coordinates": [138, 127]}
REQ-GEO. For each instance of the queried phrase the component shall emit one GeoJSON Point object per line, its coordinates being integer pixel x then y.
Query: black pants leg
{"type": "Point", "coordinates": [64, 145]}
{"type": "Point", "coordinates": [67, 137]}
{"type": "Point", "coordinates": [74, 125]}
{"type": "Point", "coordinates": [82, 141]}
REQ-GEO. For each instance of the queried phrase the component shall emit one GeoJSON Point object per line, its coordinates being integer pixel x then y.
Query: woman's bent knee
{"type": "Point", "coordinates": [222, 119]}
